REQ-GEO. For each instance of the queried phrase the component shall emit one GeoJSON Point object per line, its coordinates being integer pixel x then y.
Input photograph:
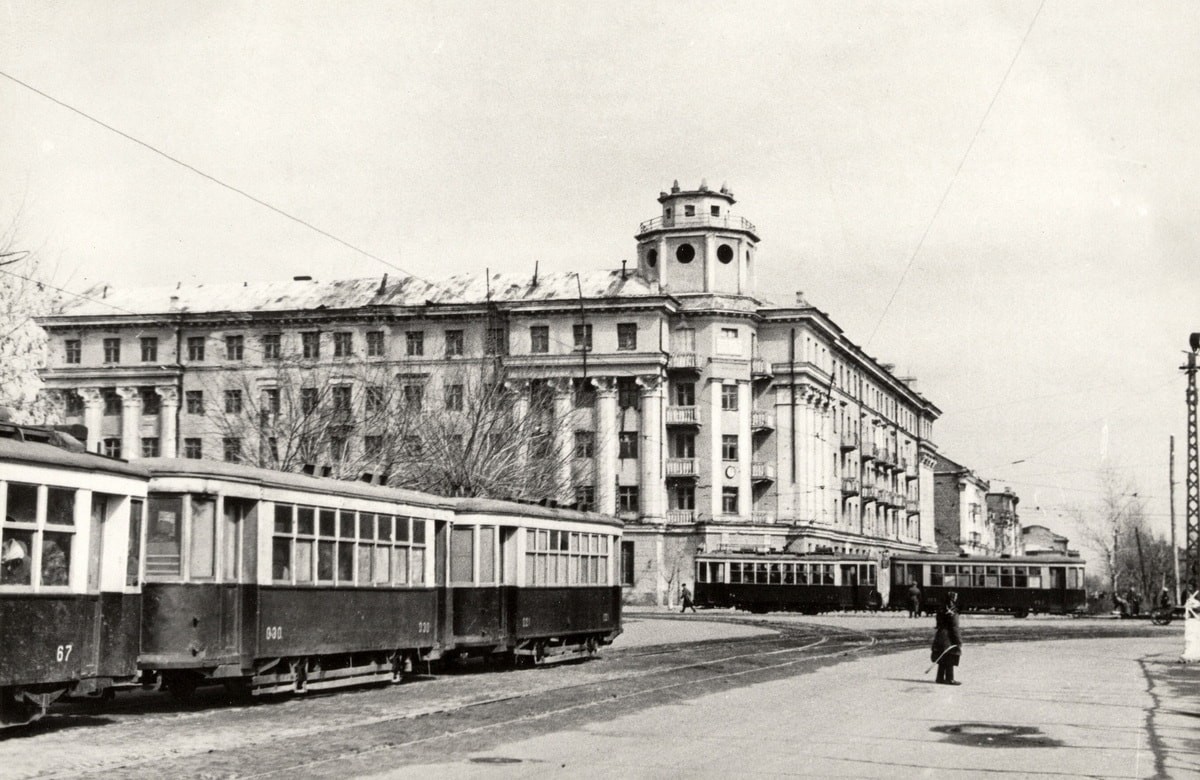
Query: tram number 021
{"type": "Point", "coordinates": [63, 653]}
{"type": "Point", "coordinates": [274, 632]}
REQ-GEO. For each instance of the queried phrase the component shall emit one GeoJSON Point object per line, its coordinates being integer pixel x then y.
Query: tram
{"type": "Point", "coordinates": [1020, 585]}
{"type": "Point", "coordinates": [71, 576]}
{"type": "Point", "coordinates": [804, 582]}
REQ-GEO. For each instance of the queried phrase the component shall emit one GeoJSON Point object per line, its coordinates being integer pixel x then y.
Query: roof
{"type": "Point", "coordinates": [355, 293]}
{"type": "Point", "coordinates": [1002, 560]}
{"type": "Point", "coordinates": [489, 506]}
{"type": "Point", "coordinates": [36, 453]}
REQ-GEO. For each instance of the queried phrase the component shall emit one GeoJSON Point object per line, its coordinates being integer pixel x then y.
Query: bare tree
{"type": "Point", "coordinates": [23, 345]}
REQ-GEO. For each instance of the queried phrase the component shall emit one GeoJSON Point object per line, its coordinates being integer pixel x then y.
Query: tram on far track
{"type": "Point", "coordinates": [768, 582]}
{"type": "Point", "coordinates": [1020, 585]}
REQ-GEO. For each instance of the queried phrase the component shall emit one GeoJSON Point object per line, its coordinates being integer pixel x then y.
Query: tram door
{"type": "Point", "coordinates": [238, 516]}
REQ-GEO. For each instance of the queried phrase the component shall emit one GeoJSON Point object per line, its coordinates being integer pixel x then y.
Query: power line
{"type": "Point", "coordinates": [953, 178]}
{"type": "Point", "coordinates": [210, 177]}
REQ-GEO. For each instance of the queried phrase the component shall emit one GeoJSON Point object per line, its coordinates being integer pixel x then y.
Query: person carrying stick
{"type": "Point", "coordinates": [947, 644]}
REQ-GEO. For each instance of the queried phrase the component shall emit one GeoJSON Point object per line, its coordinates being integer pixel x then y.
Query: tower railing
{"type": "Point", "coordinates": [699, 220]}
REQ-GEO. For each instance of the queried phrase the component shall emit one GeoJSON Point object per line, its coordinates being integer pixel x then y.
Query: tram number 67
{"type": "Point", "coordinates": [274, 632]}
{"type": "Point", "coordinates": [63, 653]}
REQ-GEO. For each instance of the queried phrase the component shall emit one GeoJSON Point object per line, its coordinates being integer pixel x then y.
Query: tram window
{"type": "Point", "coordinates": [849, 574]}
{"type": "Point", "coordinates": [346, 524]}
{"type": "Point", "coordinates": [400, 566]}
{"type": "Point", "coordinates": [366, 526]}
{"type": "Point", "coordinates": [402, 528]}
{"type": "Point", "coordinates": [789, 574]}
{"type": "Point", "coordinates": [162, 537]}
{"type": "Point", "coordinates": [964, 576]}
{"type": "Point", "coordinates": [328, 522]}
{"type": "Point", "coordinates": [1058, 577]}
{"type": "Point", "coordinates": [827, 573]}
{"type": "Point", "coordinates": [487, 554]}
{"type": "Point", "coordinates": [384, 526]}
{"type": "Point", "coordinates": [383, 564]}
{"type": "Point", "coordinates": [283, 518]}
{"type": "Point", "coordinates": [735, 573]}
{"type": "Point", "coordinates": [1006, 576]}
{"type": "Point", "coordinates": [364, 564]}
{"type": "Point", "coordinates": [18, 552]}
{"type": "Point", "coordinates": [418, 535]}
{"type": "Point", "coordinates": [22, 504]}
{"type": "Point", "coordinates": [304, 560]}
{"type": "Point", "coordinates": [702, 571]}
{"type": "Point", "coordinates": [417, 563]}
{"type": "Point", "coordinates": [978, 576]}
{"type": "Point", "coordinates": [462, 553]}
{"type": "Point", "coordinates": [1020, 577]}
{"type": "Point", "coordinates": [304, 520]}
{"type": "Point", "coordinates": [60, 506]}
{"type": "Point", "coordinates": [325, 553]}
{"type": "Point", "coordinates": [993, 577]}
{"type": "Point", "coordinates": [936, 577]}
{"type": "Point", "coordinates": [281, 559]}
{"type": "Point", "coordinates": [133, 559]}
{"type": "Point", "coordinates": [1035, 577]}
{"type": "Point", "coordinates": [775, 577]}
{"type": "Point", "coordinates": [203, 552]}
{"type": "Point", "coordinates": [801, 573]}
{"type": "Point", "coordinates": [236, 511]}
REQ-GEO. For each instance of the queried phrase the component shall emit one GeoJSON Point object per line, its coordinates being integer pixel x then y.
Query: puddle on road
{"type": "Point", "coordinates": [995, 735]}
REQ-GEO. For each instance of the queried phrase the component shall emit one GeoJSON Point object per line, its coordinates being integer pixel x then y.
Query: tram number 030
{"type": "Point", "coordinates": [274, 632]}
{"type": "Point", "coordinates": [63, 654]}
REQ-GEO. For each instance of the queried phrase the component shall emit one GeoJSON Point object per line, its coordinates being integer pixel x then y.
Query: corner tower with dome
{"type": "Point", "coordinates": [703, 416]}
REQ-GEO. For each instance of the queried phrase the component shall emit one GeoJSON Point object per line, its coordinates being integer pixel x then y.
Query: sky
{"type": "Point", "coordinates": [993, 196]}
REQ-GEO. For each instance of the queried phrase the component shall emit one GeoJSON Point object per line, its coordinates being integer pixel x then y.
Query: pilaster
{"type": "Point", "coordinates": [131, 418]}
{"type": "Point", "coordinates": [168, 416]}
{"type": "Point", "coordinates": [93, 415]}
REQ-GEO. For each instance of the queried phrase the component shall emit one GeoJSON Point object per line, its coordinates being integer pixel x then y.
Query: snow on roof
{"type": "Point", "coordinates": [355, 293]}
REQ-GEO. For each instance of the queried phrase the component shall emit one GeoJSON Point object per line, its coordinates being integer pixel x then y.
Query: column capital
{"type": "Point", "coordinates": [605, 385]}
{"type": "Point", "coordinates": [92, 396]}
{"type": "Point", "coordinates": [518, 386]}
{"type": "Point", "coordinates": [129, 395]}
{"type": "Point", "coordinates": [169, 394]}
{"type": "Point", "coordinates": [561, 385]}
{"type": "Point", "coordinates": [649, 383]}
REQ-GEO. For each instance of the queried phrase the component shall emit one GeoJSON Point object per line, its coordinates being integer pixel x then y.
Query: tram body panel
{"type": "Point", "coordinates": [49, 638]}
{"type": "Point", "coordinates": [193, 625]}
{"type": "Point", "coordinates": [537, 613]}
{"type": "Point", "coordinates": [478, 615]}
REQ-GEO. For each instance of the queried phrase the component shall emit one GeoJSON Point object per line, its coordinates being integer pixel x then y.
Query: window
{"type": "Point", "coordinates": [683, 445]}
{"type": "Point", "coordinates": [149, 349]}
{"type": "Point", "coordinates": [716, 211]}
{"type": "Point", "coordinates": [566, 558]}
{"type": "Point", "coordinates": [235, 347]}
{"type": "Point", "coordinates": [112, 350]}
{"type": "Point", "coordinates": [73, 350]}
{"type": "Point", "coordinates": [682, 497]}
{"type": "Point", "coordinates": [454, 398]}
{"type": "Point", "coordinates": [539, 339]}
{"type": "Point", "coordinates": [309, 399]}
{"type": "Point", "coordinates": [729, 447]}
{"type": "Point", "coordinates": [112, 403]}
{"type": "Point", "coordinates": [23, 526]}
{"type": "Point", "coordinates": [374, 343]}
{"type": "Point", "coordinates": [346, 548]}
{"type": "Point", "coordinates": [233, 449]}
{"type": "Point", "coordinates": [195, 348]}
{"type": "Point", "coordinates": [454, 343]}
{"type": "Point", "coordinates": [628, 396]}
{"type": "Point", "coordinates": [372, 446]}
{"type": "Point", "coordinates": [729, 398]}
{"type": "Point", "coordinates": [414, 343]}
{"type": "Point", "coordinates": [414, 396]}
{"type": "Point", "coordinates": [627, 498]}
{"type": "Point", "coordinates": [192, 448]}
{"type": "Point", "coordinates": [74, 404]}
{"type": "Point", "coordinates": [194, 401]}
{"type": "Point", "coordinates": [112, 447]}
{"type": "Point", "coordinates": [374, 400]}
{"type": "Point", "coordinates": [233, 401]}
{"type": "Point", "coordinates": [310, 344]}
{"type": "Point", "coordinates": [341, 398]}
{"type": "Point", "coordinates": [151, 401]}
{"type": "Point", "coordinates": [164, 536]}
{"type": "Point", "coordinates": [339, 446]}
{"type": "Point", "coordinates": [273, 449]}
{"type": "Point", "coordinates": [689, 211]}
{"type": "Point", "coordinates": [270, 400]}
{"type": "Point", "coordinates": [583, 337]}
{"type": "Point", "coordinates": [585, 444]}
{"type": "Point", "coordinates": [728, 342]}
{"type": "Point", "coordinates": [585, 498]}
{"type": "Point", "coordinates": [685, 394]}
{"type": "Point", "coordinates": [584, 395]}
{"type": "Point", "coordinates": [729, 500]}
{"type": "Point", "coordinates": [628, 445]}
{"type": "Point", "coordinates": [343, 344]}
{"type": "Point", "coordinates": [462, 555]}
{"type": "Point", "coordinates": [627, 563]}
{"type": "Point", "coordinates": [271, 346]}
{"type": "Point", "coordinates": [496, 342]}
{"type": "Point", "coordinates": [626, 335]}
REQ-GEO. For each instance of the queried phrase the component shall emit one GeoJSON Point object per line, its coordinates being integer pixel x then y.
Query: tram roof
{"type": "Point", "coordinates": [216, 469]}
{"type": "Point", "coordinates": [498, 507]}
{"type": "Point", "coordinates": [786, 557]}
{"type": "Point", "coordinates": [995, 560]}
{"type": "Point", "coordinates": [38, 453]}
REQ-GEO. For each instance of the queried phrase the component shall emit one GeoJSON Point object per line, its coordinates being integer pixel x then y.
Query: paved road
{"type": "Point", "coordinates": [701, 696]}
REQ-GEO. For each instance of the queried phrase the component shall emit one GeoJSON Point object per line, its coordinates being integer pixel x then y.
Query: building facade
{"type": "Point", "coordinates": [1040, 540]}
{"type": "Point", "coordinates": [961, 520]}
{"type": "Point", "coordinates": [1005, 522]}
{"type": "Point", "coordinates": [704, 416]}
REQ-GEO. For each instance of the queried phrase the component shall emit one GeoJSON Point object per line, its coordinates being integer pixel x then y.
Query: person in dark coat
{"type": "Point", "coordinates": [685, 596]}
{"type": "Point", "coordinates": [914, 600]}
{"type": "Point", "coordinates": [947, 644]}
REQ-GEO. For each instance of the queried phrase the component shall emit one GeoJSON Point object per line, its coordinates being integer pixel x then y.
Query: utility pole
{"type": "Point", "coordinates": [1191, 571]}
{"type": "Point", "coordinates": [1174, 544]}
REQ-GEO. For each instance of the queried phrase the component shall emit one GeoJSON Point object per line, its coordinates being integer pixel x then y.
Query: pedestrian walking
{"type": "Point", "coordinates": [685, 596]}
{"type": "Point", "coordinates": [947, 644]}
{"type": "Point", "coordinates": [914, 600]}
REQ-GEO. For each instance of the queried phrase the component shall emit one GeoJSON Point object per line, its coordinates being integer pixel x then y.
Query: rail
{"type": "Point", "coordinates": [682, 415]}
{"type": "Point", "coordinates": [681, 467]}
{"type": "Point", "coordinates": [699, 220]}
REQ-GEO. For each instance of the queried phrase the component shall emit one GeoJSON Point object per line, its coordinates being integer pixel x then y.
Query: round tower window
{"type": "Point", "coordinates": [725, 253]}
{"type": "Point", "coordinates": [686, 253]}
{"type": "Point", "coordinates": [652, 258]}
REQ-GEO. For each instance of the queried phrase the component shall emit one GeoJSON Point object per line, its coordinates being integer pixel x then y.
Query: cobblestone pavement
{"type": "Point", "coordinates": [660, 660]}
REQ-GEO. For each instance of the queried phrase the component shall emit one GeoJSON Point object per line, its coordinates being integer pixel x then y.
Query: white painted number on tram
{"type": "Point", "coordinates": [424, 627]}
{"type": "Point", "coordinates": [64, 652]}
{"type": "Point", "coordinates": [274, 632]}
{"type": "Point", "coordinates": [525, 622]}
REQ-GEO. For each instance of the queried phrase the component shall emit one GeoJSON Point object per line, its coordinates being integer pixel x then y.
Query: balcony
{"type": "Point", "coordinates": [911, 470]}
{"type": "Point", "coordinates": [760, 368]}
{"type": "Point", "coordinates": [869, 493]}
{"type": "Point", "coordinates": [886, 457]}
{"type": "Point", "coordinates": [869, 451]}
{"type": "Point", "coordinates": [682, 415]}
{"type": "Point", "coordinates": [849, 486]}
{"type": "Point", "coordinates": [727, 221]}
{"type": "Point", "coordinates": [762, 518]}
{"type": "Point", "coordinates": [681, 467]}
{"type": "Point", "coordinates": [849, 441]}
{"type": "Point", "coordinates": [912, 507]}
{"type": "Point", "coordinates": [683, 361]}
{"type": "Point", "coordinates": [681, 516]}
{"type": "Point", "coordinates": [762, 472]}
{"type": "Point", "coordinates": [762, 421]}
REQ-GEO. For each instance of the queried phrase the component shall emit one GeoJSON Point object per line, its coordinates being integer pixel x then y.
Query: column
{"type": "Point", "coordinates": [606, 444]}
{"type": "Point", "coordinates": [651, 451]}
{"type": "Point", "coordinates": [830, 490]}
{"type": "Point", "coordinates": [710, 262]}
{"type": "Point", "coordinates": [131, 417]}
{"type": "Point", "coordinates": [521, 423]}
{"type": "Point", "coordinates": [745, 451]}
{"type": "Point", "coordinates": [785, 503]}
{"type": "Point", "coordinates": [716, 460]}
{"type": "Point", "coordinates": [168, 415]}
{"type": "Point", "coordinates": [564, 434]}
{"type": "Point", "coordinates": [93, 415]}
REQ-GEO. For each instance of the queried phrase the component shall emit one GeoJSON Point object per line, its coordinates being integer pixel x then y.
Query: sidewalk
{"type": "Point", "coordinates": [1062, 708]}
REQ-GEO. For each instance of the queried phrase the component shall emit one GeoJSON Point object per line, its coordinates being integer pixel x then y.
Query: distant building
{"type": "Point", "coordinates": [704, 416]}
{"type": "Point", "coordinates": [1005, 522]}
{"type": "Point", "coordinates": [1040, 540]}
{"type": "Point", "coordinates": [961, 521]}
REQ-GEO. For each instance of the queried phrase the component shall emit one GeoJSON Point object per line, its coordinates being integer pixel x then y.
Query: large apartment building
{"type": "Point", "coordinates": [703, 415]}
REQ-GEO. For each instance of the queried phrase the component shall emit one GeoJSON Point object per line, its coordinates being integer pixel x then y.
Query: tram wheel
{"type": "Point", "coordinates": [1021, 613]}
{"type": "Point", "coordinates": [1161, 617]}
